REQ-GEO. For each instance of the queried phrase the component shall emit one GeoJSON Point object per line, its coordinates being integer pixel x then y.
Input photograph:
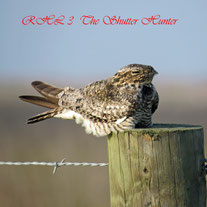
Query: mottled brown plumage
{"type": "Point", "coordinates": [124, 101]}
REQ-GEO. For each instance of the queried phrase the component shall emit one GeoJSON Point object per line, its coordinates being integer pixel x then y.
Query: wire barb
{"type": "Point", "coordinates": [57, 165]}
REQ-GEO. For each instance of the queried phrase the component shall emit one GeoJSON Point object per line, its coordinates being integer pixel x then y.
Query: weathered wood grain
{"type": "Point", "coordinates": [157, 167]}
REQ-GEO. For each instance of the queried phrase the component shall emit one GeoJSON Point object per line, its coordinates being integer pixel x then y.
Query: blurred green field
{"type": "Point", "coordinates": [55, 139]}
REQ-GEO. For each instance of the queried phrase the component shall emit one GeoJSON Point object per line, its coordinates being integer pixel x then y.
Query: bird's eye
{"type": "Point", "coordinates": [135, 72]}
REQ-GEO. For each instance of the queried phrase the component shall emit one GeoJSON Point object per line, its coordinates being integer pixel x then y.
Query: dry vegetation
{"type": "Point", "coordinates": [56, 139]}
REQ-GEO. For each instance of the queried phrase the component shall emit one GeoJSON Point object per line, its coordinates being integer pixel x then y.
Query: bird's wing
{"type": "Point", "coordinates": [37, 100]}
{"type": "Point", "coordinates": [103, 102]}
{"type": "Point", "coordinates": [50, 93]}
{"type": "Point", "coordinates": [50, 100]}
{"type": "Point", "coordinates": [99, 107]}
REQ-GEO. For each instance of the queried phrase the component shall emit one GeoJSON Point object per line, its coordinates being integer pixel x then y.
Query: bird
{"type": "Point", "coordinates": [122, 102]}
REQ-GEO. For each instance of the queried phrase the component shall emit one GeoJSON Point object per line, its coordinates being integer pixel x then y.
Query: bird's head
{"type": "Point", "coordinates": [134, 73]}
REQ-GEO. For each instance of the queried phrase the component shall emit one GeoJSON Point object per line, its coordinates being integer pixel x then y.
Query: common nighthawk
{"type": "Point", "coordinates": [124, 101]}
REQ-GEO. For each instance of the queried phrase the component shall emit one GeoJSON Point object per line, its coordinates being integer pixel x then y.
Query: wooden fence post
{"type": "Point", "coordinates": [157, 167]}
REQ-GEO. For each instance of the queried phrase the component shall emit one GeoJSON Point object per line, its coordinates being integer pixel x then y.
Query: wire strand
{"type": "Point", "coordinates": [55, 164]}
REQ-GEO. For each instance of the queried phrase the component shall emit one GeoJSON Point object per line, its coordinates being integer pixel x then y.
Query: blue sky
{"type": "Point", "coordinates": [82, 52]}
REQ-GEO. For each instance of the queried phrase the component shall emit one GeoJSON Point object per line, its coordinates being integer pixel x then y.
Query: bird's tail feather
{"type": "Point", "coordinates": [43, 116]}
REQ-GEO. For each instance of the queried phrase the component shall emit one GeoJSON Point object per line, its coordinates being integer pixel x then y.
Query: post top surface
{"type": "Point", "coordinates": [169, 127]}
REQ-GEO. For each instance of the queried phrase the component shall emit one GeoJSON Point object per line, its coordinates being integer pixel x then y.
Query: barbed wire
{"type": "Point", "coordinates": [63, 163]}
{"type": "Point", "coordinates": [54, 164]}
